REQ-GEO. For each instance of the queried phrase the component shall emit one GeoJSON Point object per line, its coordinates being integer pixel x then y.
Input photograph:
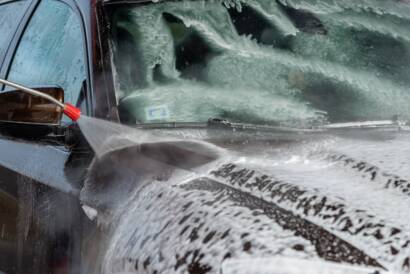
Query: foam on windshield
{"type": "Point", "coordinates": [311, 61]}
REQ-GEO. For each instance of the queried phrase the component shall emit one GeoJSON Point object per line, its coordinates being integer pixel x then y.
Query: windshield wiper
{"type": "Point", "coordinates": [394, 123]}
{"type": "Point", "coordinates": [219, 123]}
{"type": "Point", "coordinates": [165, 125]}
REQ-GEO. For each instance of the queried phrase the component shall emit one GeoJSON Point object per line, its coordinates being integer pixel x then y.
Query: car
{"type": "Point", "coordinates": [233, 136]}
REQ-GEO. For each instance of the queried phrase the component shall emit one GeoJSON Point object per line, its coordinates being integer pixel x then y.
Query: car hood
{"type": "Point", "coordinates": [338, 197]}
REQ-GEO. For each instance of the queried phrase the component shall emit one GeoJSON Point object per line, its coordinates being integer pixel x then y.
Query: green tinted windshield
{"type": "Point", "coordinates": [261, 61]}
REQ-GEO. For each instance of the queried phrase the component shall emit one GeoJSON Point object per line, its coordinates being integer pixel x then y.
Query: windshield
{"type": "Point", "coordinates": [286, 62]}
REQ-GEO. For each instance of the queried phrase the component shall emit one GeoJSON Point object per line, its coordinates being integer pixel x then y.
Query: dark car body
{"type": "Point", "coordinates": [231, 208]}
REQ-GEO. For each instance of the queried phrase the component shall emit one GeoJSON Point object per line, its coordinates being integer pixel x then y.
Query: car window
{"type": "Point", "coordinates": [51, 51]}
{"type": "Point", "coordinates": [10, 15]}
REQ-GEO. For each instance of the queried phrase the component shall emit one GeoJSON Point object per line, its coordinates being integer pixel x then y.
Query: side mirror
{"type": "Point", "coordinates": [20, 107]}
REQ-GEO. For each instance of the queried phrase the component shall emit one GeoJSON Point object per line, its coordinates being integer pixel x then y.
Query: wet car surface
{"type": "Point", "coordinates": [244, 206]}
{"type": "Point", "coordinates": [240, 130]}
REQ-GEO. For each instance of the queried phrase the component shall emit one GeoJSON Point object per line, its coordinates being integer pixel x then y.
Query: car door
{"type": "Point", "coordinates": [11, 13]}
{"type": "Point", "coordinates": [40, 175]}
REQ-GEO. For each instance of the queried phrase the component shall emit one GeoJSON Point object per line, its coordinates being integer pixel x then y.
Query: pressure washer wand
{"type": "Point", "coordinates": [71, 111]}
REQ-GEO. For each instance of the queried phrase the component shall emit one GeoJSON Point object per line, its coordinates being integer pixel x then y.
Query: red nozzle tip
{"type": "Point", "coordinates": [72, 112]}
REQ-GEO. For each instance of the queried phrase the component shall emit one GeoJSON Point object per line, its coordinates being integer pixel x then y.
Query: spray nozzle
{"type": "Point", "coordinates": [71, 111]}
